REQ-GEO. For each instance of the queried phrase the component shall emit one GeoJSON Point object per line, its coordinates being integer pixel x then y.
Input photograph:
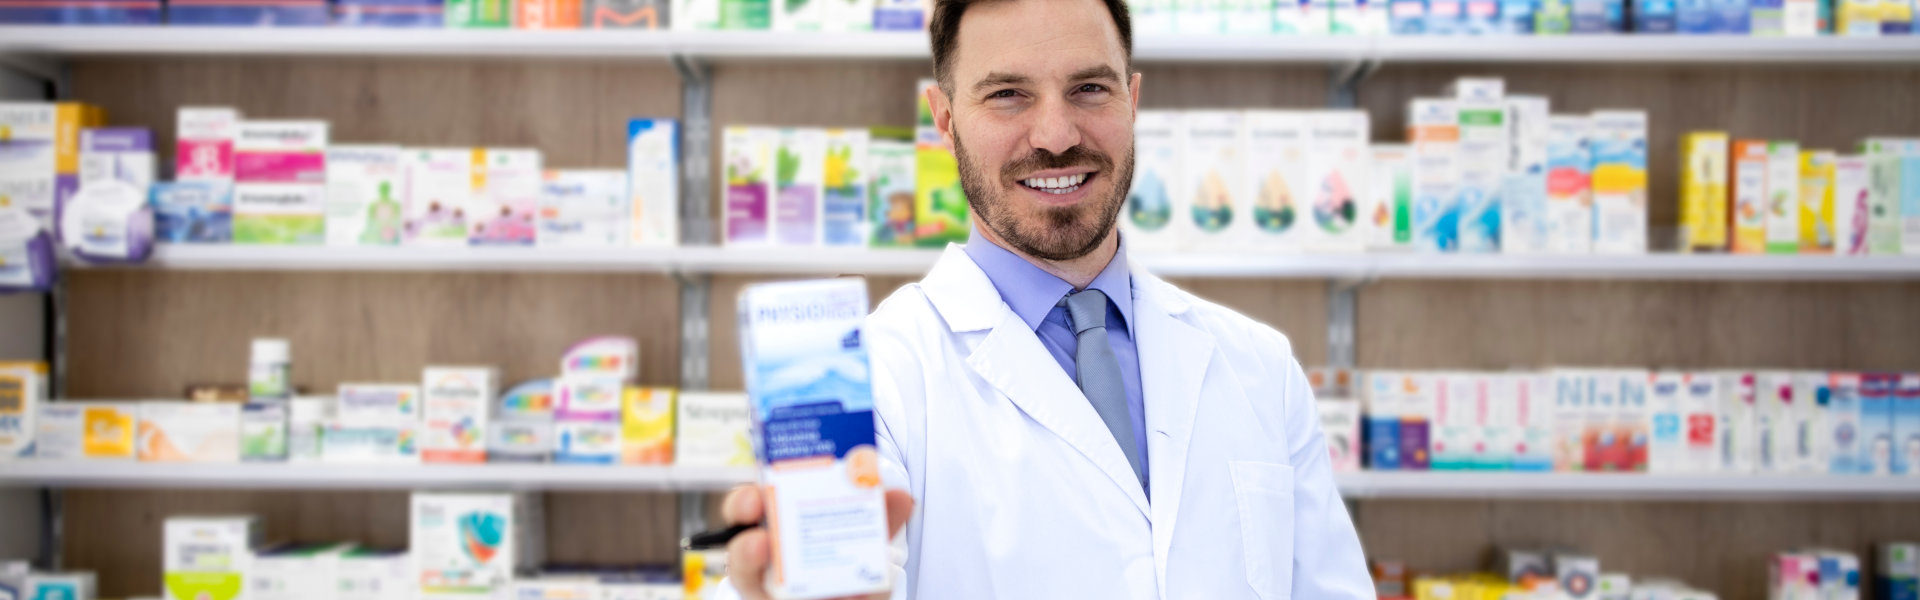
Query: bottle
{"type": "Point", "coordinates": [272, 366]}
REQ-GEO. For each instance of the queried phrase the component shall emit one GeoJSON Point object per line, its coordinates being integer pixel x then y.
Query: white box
{"type": "Point", "coordinates": [280, 213]}
{"type": "Point", "coordinates": [1841, 421]}
{"type": "Point", "coordinates": [439, 195]}
{"type": "Point", "coordinates": [207, 558]}
{"type": "Point", "coordinates": [1700, 416]}
{"type": "Point", "coordinates": [1667, 438]}
{"type": "Point", "coordinates": [612, 357]}
{"type": "Point", "coordinates": [1154, 217]}
{"type": "Point", "coordinates": [365, 199]}
{"type": "Point", "coordinates": [456, 402]}
{"type": "Point", "coordinates": [376, 575]}
{"type": "Point", "coordinates": [1852, 194]}
{"type": "Point", "coordinates": [117, 153]}
{"type": "Point", "coordinates": [554, 588]}
{"type": "Point", "coordinates": [504, 205]}
{"type": "Point", "coordinates": [1278, 178]}
{"type": "Point", "coordinates": [1807, 423]}
{"type": "Point", "coordinates": [1388, 197]}
{"type": "Point", "coordinates": [263, 432]}
{"type": "Point", "coordinates": [60, 586]}
{"type": "Point", "coordinates": [468, 545]}
{"type": "Point", "coordinates": [1536, 418]}
{"type": "Point", "coordinates": [811, 400]}
{"type": "Point", "coordinates": [1337, 181]}
{"type": "Point", "coordinates": [70, 430]}
{"type": "Point", "coordinates": [1739, 433]}
{"type": "Point", "coordinates": [1523, 197]}
{"type": "Point", "coordinates": [713, 430]}
{"type": "Point", "coordinates": [1501, 429]}
{"type": "Point", "coordinates": [587, 398]}
{"type": "Point", "coordinates": [1619, 143]}
{"type": "Point", "coordinates": [520, 440]}
{"type": "Point", "coordinates": [189, 432]}
{"type": "Point", "coordinates": [1433, 132]}
{"type": "Point", "coordinates": [1457, 422]}
{"type": "Point", "coordinates": [586, 442]}
{"type": "Point", "coordinates": [1569, 184]}
{"type": "Point", "coordinates": [307, 418]}
{"type": "Point", "coordinates": [351, 443]}
{"type": "Point", "coordinates": [1340, 423]}
{"type": "Point", "coordinates": [582, 208]}
{"type": "Point", "coordinates": [1773, 402]}
{"type": "Point", "coordinates": [378, 404]}
{"type": "Point", "coordinates": [1573, 391]}
{"type": "Point", "coordinates": [1632, 420]}
{"type": "Point", "coordinates": [795, 213]}
{"type": "Point", "coordinates": [1783, 197]}
{"type": "Point", "coordinates": [1216, 174]}
{"type": "Point", "coordinates": [1486, 139]}
{"type": "Point", "coordinates": [23, 391]}
{"type": "Point", "coordinates": [296, 572]}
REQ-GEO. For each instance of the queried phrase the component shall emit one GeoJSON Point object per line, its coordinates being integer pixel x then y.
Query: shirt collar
{"type": "Point", "coordinates": [1032, 292]}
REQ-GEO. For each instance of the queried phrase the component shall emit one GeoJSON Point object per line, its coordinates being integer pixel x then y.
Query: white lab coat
{"type": "Point", "coordinates": [1023, 493]}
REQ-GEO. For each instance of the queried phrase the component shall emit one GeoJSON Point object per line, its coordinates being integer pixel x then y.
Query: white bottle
{"type": "Point", "coordinates": [267, 378]}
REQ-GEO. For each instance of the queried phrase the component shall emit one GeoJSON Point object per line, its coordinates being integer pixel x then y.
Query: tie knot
{"type": "Point", "coordinates": [1087, 308]}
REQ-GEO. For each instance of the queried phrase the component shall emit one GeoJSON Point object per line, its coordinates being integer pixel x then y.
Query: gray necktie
{"type": "Point", "coordinates": [1100, 371]}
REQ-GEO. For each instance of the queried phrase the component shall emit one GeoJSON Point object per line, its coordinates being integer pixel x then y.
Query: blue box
{"type": "Point", "coordinates": [1696, 16]}
{"type": "Point", "coordinates": [1407, 17]}
{"type": "Point", "coordinates": [1516, 17]}
{"type": "Point", "coordinates": [1840, 409]}
{"type": "Point", "coordinates": [1654, 16]}
{"type": "Point", "coordinates": [390, 13]}
{"type": "Point", "coordinates": [1733, 17]}
{"type": "Point", "coordinates": [1382, 422]}
{"type": "Point", "coordinates": [1767, 17]}
{"type": "Point", "coordinates": [1446, 17]}
{"type": "Point", "coordinates": [192, 212]}
{"type": "Point", "coordinates": [1877, 391]}
{"type": "Point", "coordinates": [1906, 426]}
{"type": "Point", "coordinates": [83, 12]}
{"type": "Point", "coordinates": [1482, 17]}
{"type": "Point", "coordinates": [295, 13]}
{"type": "Point", "coordinates": [1590, 16]}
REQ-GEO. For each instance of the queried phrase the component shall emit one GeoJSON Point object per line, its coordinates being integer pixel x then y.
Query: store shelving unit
{"type": "Point", "coordinates": [559, 477]}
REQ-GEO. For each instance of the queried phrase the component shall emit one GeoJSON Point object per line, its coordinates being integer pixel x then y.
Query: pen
{"type": "Point", "coordinates": [707, 540]}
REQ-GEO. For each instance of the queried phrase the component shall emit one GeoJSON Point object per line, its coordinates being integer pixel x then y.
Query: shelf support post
{"type": "Point", "coordinates": [1343, 82]}
{"type": "Point", "coordinates": [1342, 317]}
{"type": "Point", "coordinates": [696, 229]}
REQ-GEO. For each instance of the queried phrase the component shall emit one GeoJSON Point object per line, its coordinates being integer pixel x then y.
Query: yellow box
{"type": "Point", "coordinates": [109, 431]}
{"type": "Point", "coordinates": [646, 433]}
{"type": "Point", "coordinates": [1817, 234]}
{"type": "Point", "coordinates": [1703, 191]}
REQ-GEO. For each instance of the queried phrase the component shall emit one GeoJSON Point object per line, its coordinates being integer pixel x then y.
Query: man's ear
{"type": "Point", "coordinates": [1133, 88]}
{"type": "Point", "coordinates": [942, 108]}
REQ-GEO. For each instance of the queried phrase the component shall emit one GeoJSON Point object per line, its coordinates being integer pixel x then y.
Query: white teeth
{"type": "Point", "coordinates": [1058, 185]}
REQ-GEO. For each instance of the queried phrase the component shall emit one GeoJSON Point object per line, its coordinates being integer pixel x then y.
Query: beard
{"type": "Point", "coordinates": [1053, 233]}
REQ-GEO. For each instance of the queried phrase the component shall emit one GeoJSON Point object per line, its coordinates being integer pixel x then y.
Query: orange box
{"type": "Point", "coordinates": [1748, 180]}
{"type": "Point", "coordinates": [547, 14]}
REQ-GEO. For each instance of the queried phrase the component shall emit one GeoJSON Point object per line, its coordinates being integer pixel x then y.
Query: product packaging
{"type": "Point", "coordinates": [439, 195]}
{"type": "Point", "coordinates": [1749, 179]}
{"type": "Point", "coordinates": [1154, 199]}
{"type": "Point", "coordinates": [582, 208]}
{"type": "Point", "coordinates": [1523, 206]}
{"type": "Point", "coordinates": [1433, 131]}
{"type": "Point", "coordinates": [23, 391]}
{"type": "Point", "coordinates": [468, 545]}
{"type": "Point", "coordinates": [747, 155]}
{"type": "Point", "coordinates": [799, 166]}
{"type": "Point", "coordinates": [1703, 192]}
{"type": "Point", "coordinates": [1620, 182]}
{"type": "Point", "coordinates": [194, 212]}
{"type": "Point", "coordinates": [1215, 181]}
{"type": "Point", "coordinates": [280, 182]}
{"type": "Point", "coordinates": [646, 434]}
{"type": "Point", "coordinates": [263, 432]}
{"type": "Point", "coordinates": [891, 158]}
{"type": "Point", "coordinates": [1569, 184]}
{"type": "Point", "coordinates": [1278, 177]}
{"type": "Point", "coordinates": [586, 442]}
{"type": "Point", "coordinates": [189, 432]}
{"type": "Point", "coordinates": [843, 203]}
{"type": "Point", "coordinates": [1783, 198]}
{"type": "Point", "coordinates": [653, 181]}
{"type": "Point", "coordinates": [456, 402]}
{"type": "Point", "coordinates": [207, 558]}
{"type": "Point", "coordinates": [364, 201]}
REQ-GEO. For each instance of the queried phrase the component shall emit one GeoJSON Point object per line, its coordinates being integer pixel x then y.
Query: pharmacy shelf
{"type": "Point", "coordinates": [764, 45]}
{"type": "Point", "coordinates": [126, 474]}
{"type": "Point", "coordinates": [906, 262]}
{"type": "Point", "coordinates": [1623, 486]}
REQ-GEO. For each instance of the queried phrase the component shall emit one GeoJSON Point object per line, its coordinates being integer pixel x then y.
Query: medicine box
{"type": "Point", "coordinates": [1851, 192]}
{"type": "Point", "coordinates": [365, 205]}
{"type": "Point", "coordinates": [189, 432]}
{"type": "Point", "coordinates": [117, 154]}
{"type": "Point", "coordinates": [1215, 171]}
{"type": "Point", "coordinates": [1485, 148]}
{"type": "Point", "coordinates": [439, 195]}
{"type": "Point", "coordinates": [800, 165]}
{"type": "Point", "coordinates": [307, 419]}
{"type": "Point", "coordinates": [587, 442]}
{"type": "Point", "coordinates": [1600, 436]}
{"type": "Point", "coordinates": [88, 430]}
{"type": "Point", "coordinates": [389, 13]}
{"type": "Point", "coordinates": [263, 432]}
{"type": "Point", "coordinates": [1884, 235]}
{"type": "Point", "coordinates": [1878, 392]}
{"type": "Point", "coordinates": [1419, 415]}
{"type": "Point", "coordinates": [1898, 576]}
{"type": "Point", "coordinates": [280, 152]}
{"type": "Point", "coordinates": [279, 213]}
{"type": "Point", "coordinates": [192, 212]}
{"type": "Point", "coordinates": [23, 393]}
{"type": "Point", "coordinates": [843, 210]}
{"type": "Point", "coordinates": [1808, 448]}
{"type": "Point", "coordinates": [1340, 422]}
{"type": "Point", "coordinates": [1572, 391]}
{"type": "Point", "coordinates": [1700, 410]}
{"type": "Point", "coordinates": [468, 545]}
{"type": "Point", "coordinates": [1569, 184]}
{"type": "Point", "coordinates": [369, 574]}
{"type": "Point", "coordinates": [479, 14]}
{"type": "Point", "coordinates": [1500, 426]}
{"type": "Point", "coordinates": [506, 195]}
{"type": "Point", "coordinates": [812, 409]}
{"type": "Point", "coordinates": [1578, 575]}
{"type": "Point", "coordinates": [1783, 197]}
{"type": "Point", "coordinates": [582, 208]}
{"type": "Point", "coordinates": [1739, 431]}
{"type": "Point", "coordinates": [1841, 422]}
{"type": "Point", "coordinates": [1337, 181]}
{"type": "Point", "coordinates": [532, 399]}
{"type": "Point", "coordinates": [547, 14]}
{"type": "Point", "coordinates": [1277, 177]}
{"type": "Point", "coordinates": [1389, 195]}
{"type": "Point", "coordinates": [208, 557]}
{"type": "Point", "coordinates": [379, 404]}
{"type": "Point", "coordinates": [356, 443]}
{"type": "Point", "coordinates": [1620, 182]}
{"type": "Point", "coordinates": [205, 136]}
{"type": "Point", "coordinates": [587, 398]}
{"type": "Point", "coordinates": [1817, 172]}
{"type": "Point", "coordinates": [1433, 132]}
{"type": "Point", "coordinates": [1703, 191]}
{"type": "Point", "coordinates": [1906, 426]}
{"type": "Point", "coordinates": [60, 586]}
{"type": "Point", "coordinates": [1749, 179]}
{"type": "Point", "coordinates": [627, 14]}
{"type": "Point", "coordinates": [1536, 416]}
{"type": "Point", "coordinates": [1666, 444]}
{"type": "Point", "coordinates": [456, 403]}
{"type": "Point", "coordinates": [58, 429]}
{"type": "Point", "coordinates": [520, 440]}
{"type": "Point", "coordinates": [1383, 420]}
{"type": "Point", "coordinates": [646, 434]}
{"type": "Point", "coordinates": [296, 572]}
{"type": "Point", "coordinates": [554, 588]}
{"type": "Point", "coordinates": [748, 155]}
{"type": "Point", "coordinates": [1523, 205]}
{"type": "Point", "coordinates": [1457, 427]}
{"type": "Point", "coordinates": [1158, 193]}
{"type": "Point", "coordinates": [611, 357]}
{"type": "Point", "coordinates": [891, 158]}
{"type": "Point", "coordinates": [39, 160]}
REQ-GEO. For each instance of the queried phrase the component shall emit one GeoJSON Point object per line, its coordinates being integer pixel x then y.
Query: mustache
{"type": "Point", "coordinates": [1040, 160]}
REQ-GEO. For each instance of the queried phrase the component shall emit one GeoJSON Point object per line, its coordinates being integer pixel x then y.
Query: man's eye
{"type": "Point", "coordinates": [1092, 88]}
{"type": "Point", "coordinates": [1001, 94]}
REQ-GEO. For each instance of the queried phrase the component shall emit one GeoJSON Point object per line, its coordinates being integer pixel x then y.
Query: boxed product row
{"type": "Point", "coordinates": [590, 414]}
{"type": "Point", "coordinates": [679, 15]}
{"type": "Point", "coordinates": [18, 581]}
{"type": "Point", "coordinates": [1629, 420]}
{"type": "Point", "coordinates": [1760, 196]}
{"type": "Point", "coordinates": [1526, 17]}
{"type": "Point", "coordinates": [1527, 574]}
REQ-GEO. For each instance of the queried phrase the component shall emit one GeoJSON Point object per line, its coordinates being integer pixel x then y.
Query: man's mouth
{"type": "Point", "coordinates": [1065, 184]}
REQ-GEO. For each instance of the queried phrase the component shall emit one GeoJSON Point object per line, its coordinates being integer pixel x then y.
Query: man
{"type": "Point", "coordinates": [1071, 426]}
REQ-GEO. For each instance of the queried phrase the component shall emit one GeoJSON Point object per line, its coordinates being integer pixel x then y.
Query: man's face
{"type": "Point", "coordinates": [1041, 122]}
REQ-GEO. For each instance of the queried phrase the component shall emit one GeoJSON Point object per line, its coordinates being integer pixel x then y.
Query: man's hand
{"type": "Point", "coordinates": [747, 554]}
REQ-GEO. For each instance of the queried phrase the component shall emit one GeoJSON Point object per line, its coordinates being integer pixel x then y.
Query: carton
{"type": "Point", "coordinates": [587, 398]}
{"type": "Point", "coordinates": [1841, 423]}
{"type": "Point", "coordinates": [582, 208]}
{"type": "Point", "coordinates": [39, 168]}
{"type": "Point", "coordinates": [193, 212]}
{"type": "Point", "coordinates": [799, 166]}
{"type": "Point", "coordinates": [1750, 168]}
{"type": "Point", "coordinates": [1389, 195]}
{"type": "Point", "coordinates": [1216, 181]}
{"type": "Point", "coordinates": [23, 391]}
{"type": "Point", "coordinates": [1878, 392]}
{"type": "Point", "coordinates": [1783, 197]}
{"type": "Point", "coordinates": [1906, 426]}
{"type": "Point", "coordinates": [611, 357]}
{"type": "Point", "coordinates": [1418, 419]}
{"type": "Point", "coordinates": [296, 572]}
{"type": "Point", "coordinates": [456, 403]}
{"type": "Point", "coordinates": [203, 150]}
{"type": "Point", "coordinates": [60, 586]}
{"type": "Point", "coordinates": [439, 195]}
{"type": "Point", "coordinates": [506, 195]}
{"type": "Point", "coordinates": [393, 443]}
{"type": "Point", "coordinates": [189, 432]}
{"type": "Point", "coordinates": [378, 404]}
{"type": "Point", "coordinates": [1433, 131]}
{"type": "Point", "coordinates": [520, 440]}
{"type": "Point", "coordinates": [843, 211]}
{"type": "Point", "coordinates": [653, 181]}
{"type": "Point", "coordinates": [1884, 235]}
{"type": "Point", "coordinates": [364, 204]}
{"type": "Point", "coordinates": [1523, 207]}
{"type": "Point", "coordinates": [748, 159]}
{"type": "Point", "coordinates": [207, 558]}
{"type": "Point", "coordinates": [280, 176]}
{"type": "Point", "coordinates": [1340, 422]}
{"type": "Point", "coordinates": [468, 545]}
{"type": "Point", "coordinates": [587, 442]}
{"type": "Point", "coordinates": [1700, 409]}
{"type": "Point", "coordinates": [1817, 227]}
{"type": "Point", "coordinates": [1501, 429]}
{"type": "Point", "coordinates": [1851, 193]}
{"type": "Point", "coordinates": [368, 574]}
{"type": "Point", "coordinates": [307, 418]}
{"type": "Point", "coordinates": [1157, 195]}
{"type": "Point", "coordinates": [1279, 177]}
{"type": "Point", "coordinates": [646, 434]}
{"type": "Point", "coordinates": [1739, 431]}
{"type": "Point", "coordinates": [117, 154]}
{"type": "Point", "coordinates": [626, 14]}
{"type": "Point", "coordinates": [1572, 391]}
{"type": "Point", "coordinates": [1569, 184]}
{"type": "Point", "coordinates": [263, 432]}
{"type": "Point", "coordinates": [891, 158]}
{"type": "Point", "coordinates": [1620, 182]}
{"type": "Point", "coordinates": [1703, 191]}
{"type": "Point", "coordinates": [1534, 451]}
{"type": "Point", "coordinates": [1383, 420]}
{"type": "Point", "coordinates": [712, 430]}
{"type": "Point", "coordinates": [1486, 137]}
{"type": "Point", "coordinates": [1337, 181]}
{"type": "Point", "coordinates": [940, 209]}
{"type": "Point", "coordinates": [1457, 430]}
{"type": "Point", "coordinates": [1666, 443]}
{"type": "Point", "coordinates": [812, 409]}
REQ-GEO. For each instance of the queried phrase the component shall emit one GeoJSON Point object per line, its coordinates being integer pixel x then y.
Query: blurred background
{"type": "Point", "coordinates": [1602, 299]}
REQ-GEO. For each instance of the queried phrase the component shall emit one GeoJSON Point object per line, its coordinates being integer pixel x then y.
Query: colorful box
{"type": "Point", "coordinates": [279, 194]}
{"type": "Point", "coordinates": [1215, 181]}
{"type": "Point", "coordinates": [479, 14]}
{"type": "Point", "coordinates": [263, 432]}
{"type": "Point", "coordinates": [195, 212]}
{"type": "Point", "coordinates": [520, 440]}
{"type": "Point", "coordinates": [1783, 197]}
{"type": "Point", "coordinates": [1655, 16]}
{"type": "Point", "coordinates": [203, 150]}
{"type": "Point", "coordinates": [1446, 17]}
{"type": "Point", "coordinates": [468, 545]}
{"type": "Point", "coordinates": [812, 409]}
{"type": "Point", "coordinates": [1458, 412]}
{"type": "Point", "coordinates": [1906, 426]}
{"type": "Point", "coordinates": [1841, 418]}
{"type": "Point", "coordinates": [1700, 410]}
{"type": "Point", "coordinates": [207, 558]}
{"type": "Point", "coordinates": [88, 430]}
{"type": "Point", "coordinates": [1858, 18]}
{"type": "Point", "coordinates": [1536, 417]}
{"type": "Point", "coordinates": [1419, 418]}
{"type": "Point", "coordinates": [1666, 441]}
{"type": "Point", "coordinates": [1148, 222]}
{"type": "Point", "coordinates": [1383, 402]}
{"type": "Point", "coordinates": [1486, 136]}
{"type": "Point", "coordinates": [1409, 17]}
{"type": "Point", "coordinates": [1697, 17]}
{"type": "Point", "coordinates": [940, 209]}
{"type": "Point", "coordinates": [455, 405]}
{"type": "Point", "coordinates": [749, 156]}
{"type": "Point", "coordinates": [40, 157]}
{"type": "Point", "coordinates": [1569, 184]}
{"type": "Point", "coordinates": [1433, 131]}
{"type": "Point", "coordinates": [547, 14]}
{"type": "Point", "coordinates": [1619, 182]}
{"type": "Point", "coordinates": [1773, 403]}
{"type": "Point", "coordinates": [646, 435]}
{"type": "Point", "coordinates": [1278, 177]}
{"type": "Point", "coordinates": [1852, 190]}
{"type": "Point", "coordinates": [1817, 227]}
{"type": "Point", "coordinates": [900, 15]}
{"type": "Point", "coordinates": [189, 432]}
{"type": "Point", "coordinates": [378, 404]}
{"type": "Point", "coordinates": [1733, 16]}
{"type": "Point", "coordinates": [1703, 191]}
{"type": "Point", "coordinates": [843, 202]}
{"type": "Point", "coordinates": [117, 154]}
{"type": "Point", "coordinates": [628, 14]}
{"type": "Point", "coordinates": [1877, 397]}
{"type": "Point", "coordinates": [506, 196]}
{"type": "Point", "coordinates": [653, 181]}
{"type": "Point", "coordinates": [607, 356]}
{"type": "Point", "coordinates": [439, 195]}
{"type": "Point", "coordinates": [1750, 201]}
{"type": "Point", "coordinates": [582, 208]}
{"type": "Point", "coordinates": [1767, 17]}
{"type": "Point", "coordinates": [23, 392]}
{"type": "Point", "coordinates": [1388, 209]}
{"type": "Point", "coordinates": [1340, 422]}
{"type": "Point", "coordinates": [364, 201]}
{"type": "Point", "coordinates": [587, 398]}
{"type": "Point", "coordinates": [800, 165]}
{"type": "Point", "coordinates": [892, 162]}
{"type": "Point", "coordinates": [587, 442]}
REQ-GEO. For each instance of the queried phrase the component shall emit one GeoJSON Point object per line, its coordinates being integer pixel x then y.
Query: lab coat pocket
{"type": "Point", "coordinates": [1264, 492]}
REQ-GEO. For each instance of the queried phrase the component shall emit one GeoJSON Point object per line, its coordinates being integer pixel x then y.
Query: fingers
{"type": "Point", "coordinates": [899, 509]}
{"type": "Point", "coordinates": [747, 563]}
{"type": "Point", "coordinates": [743, 506]}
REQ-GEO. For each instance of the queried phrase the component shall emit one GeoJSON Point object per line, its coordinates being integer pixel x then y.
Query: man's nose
{"type": "Point", "coordinates": [1053, 128]}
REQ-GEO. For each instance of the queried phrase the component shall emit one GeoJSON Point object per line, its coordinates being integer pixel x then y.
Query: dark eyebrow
{"type": "Point", "coordinates": [1102, 72]}
{"type": "Point", "coordinates": [998, 79]}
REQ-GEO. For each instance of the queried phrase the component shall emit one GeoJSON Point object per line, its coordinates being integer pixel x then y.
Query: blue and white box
{"type": "Point", "coordinates": [1383, 421]}
{"type": "Point", "coordinates": [1516, 17]}
{"type": "Point", "coordinates": [193, 212]}
{"type": "Point", "coordinates": [1486, 139]}
{"type": "Point", "coordinates": [1767, 17]}
{"type": "Point", "coordinates": [390, 13]}
{"type": "Point", "coordinates": [1877, 392]}
{"type": "Point", "coordinates": [1523, 206]}
{"type": "Point", "coordinates": [1446, 17]}
{"type": "Point", "coordinates": [653, 181]}
{"type": "Point", "coordinates": [1733, 16]}
{"type": "Point", "coordinates": [1906, 426]}
{"type": "Point", "coordinates": [1655, 16]}
{"type": "Point", "coordinates": [1840, 412]}
{"type": "Point", "coordinates": [259, 13]}
{"type": "Point", "coordinates": [1407, 17]}
{"type": "Point", "coordinates": [81, 12]}
{"type": "Point", "coordinates": [1482, 17]}
{"type": "Point", "coordinates": [1696, 16]}
{"type": "Point", "coordinates": [1433, 132]}
{"type": "Point", "coordinates": [811, 398]}
{"type": "Point", "coordinates": [586, 442]}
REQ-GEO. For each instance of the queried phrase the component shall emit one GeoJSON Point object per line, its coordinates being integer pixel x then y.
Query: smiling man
{"type": "Point", "coordinates": [1069, 425]}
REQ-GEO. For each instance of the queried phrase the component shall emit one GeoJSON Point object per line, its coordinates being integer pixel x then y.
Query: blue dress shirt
{"type": "Point", "coordinates": [1033, 294]}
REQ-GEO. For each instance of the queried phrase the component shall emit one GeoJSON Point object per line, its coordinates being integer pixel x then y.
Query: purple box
{"type": "Point", "coordinates": [390, 13]}
{"type": "Point", "coordinates": [81, 12]}
{"type": "Point", "coordinates": [258, 13]}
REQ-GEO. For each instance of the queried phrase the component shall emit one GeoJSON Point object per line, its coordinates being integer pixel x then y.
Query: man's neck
{"type": "Point", "coordinates": [1078, 271]}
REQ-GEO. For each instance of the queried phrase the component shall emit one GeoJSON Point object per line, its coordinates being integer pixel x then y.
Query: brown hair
{"type": "Point", "coordinates": [944, 29]}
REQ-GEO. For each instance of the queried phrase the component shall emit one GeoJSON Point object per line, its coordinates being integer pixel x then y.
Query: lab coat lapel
{"type": "Point", "coordinates": [1173, 366]}
{"type": "Point", "coordinates": [1012, 360]}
